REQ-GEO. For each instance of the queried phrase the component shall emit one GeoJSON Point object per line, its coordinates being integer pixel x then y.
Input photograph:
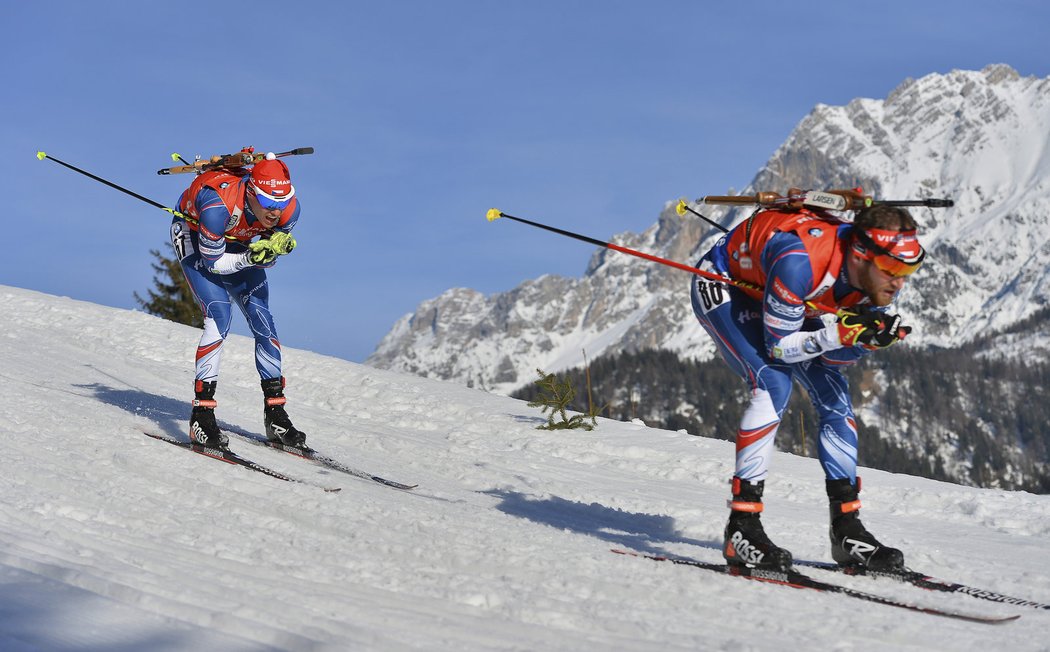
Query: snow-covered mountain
{"type": "Point", "coordinates": [980, 138]}
{"type": "Point", "coordinates": [110, 540]}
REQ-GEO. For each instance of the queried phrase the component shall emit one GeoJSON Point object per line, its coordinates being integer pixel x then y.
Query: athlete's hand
{"type": "Point", "coordinates": [282, 243]}
{"type": "Point", "coordinates": [871, 328]}
{"type": "Point", "coordinates": [261, 252]}
{"type": "Point", "coordinates": [266, 250]}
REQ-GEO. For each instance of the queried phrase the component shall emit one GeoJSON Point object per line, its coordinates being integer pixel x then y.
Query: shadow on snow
{"type": "Point", "coordinates": [640, 532]}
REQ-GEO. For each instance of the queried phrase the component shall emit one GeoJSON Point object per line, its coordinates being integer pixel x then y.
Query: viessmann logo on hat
{"type": "Point", "coordinates": [902, 244]}
{"type": "Point", "coordinates": [273, 184]}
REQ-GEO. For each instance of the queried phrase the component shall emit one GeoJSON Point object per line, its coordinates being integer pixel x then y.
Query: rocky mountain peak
{"type": "Point", "coordinates": [976, 136]}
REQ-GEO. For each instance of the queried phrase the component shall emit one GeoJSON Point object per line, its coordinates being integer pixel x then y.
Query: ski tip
{"type": "Point", "coordinates": [493, 214]}
{"type": "Point", "coordinates": [395, 485]}
{"type": "Point", "coordinates": [680, 208]}
{"type": "Point", "coordinates": [986, 620]}
{"type": "Point", "coordinates": [41, 156]}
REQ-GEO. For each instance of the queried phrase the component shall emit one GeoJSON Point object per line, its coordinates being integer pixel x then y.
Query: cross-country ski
{"type": "Point", "coordinates": [797, 580]}
{"type": "Point", "coordinates": [230, 457]}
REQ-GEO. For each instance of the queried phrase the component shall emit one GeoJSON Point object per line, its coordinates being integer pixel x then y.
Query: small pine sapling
{"type": "Point", "coordinates": [555, 397]}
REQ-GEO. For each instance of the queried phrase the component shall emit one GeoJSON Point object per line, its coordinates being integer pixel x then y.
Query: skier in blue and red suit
{"type": "Point", "coordinates": [793, 266]}
{"type": "Point", "coordinates": [221, 213]}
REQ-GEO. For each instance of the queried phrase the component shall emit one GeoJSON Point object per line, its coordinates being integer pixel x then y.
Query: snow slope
{"type": "Point", "coordinates": [111, 540]}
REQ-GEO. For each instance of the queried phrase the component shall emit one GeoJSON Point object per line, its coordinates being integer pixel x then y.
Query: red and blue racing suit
{"type": "Point", "coordinates": [211, 243]}
{"type": "Point", "coordinates": [768, 334]}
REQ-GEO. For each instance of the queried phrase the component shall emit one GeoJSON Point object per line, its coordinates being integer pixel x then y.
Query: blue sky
{"type": "Point", "coordinates": [588, 115]}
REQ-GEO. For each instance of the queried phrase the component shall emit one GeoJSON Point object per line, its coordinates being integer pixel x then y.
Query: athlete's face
{"type": "Point", "coordinates": [880, 287]}
{"type": "Point", "coordinates": [268, 218]}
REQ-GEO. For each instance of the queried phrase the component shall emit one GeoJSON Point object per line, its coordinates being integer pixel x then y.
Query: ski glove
{"type": "Point", "coordinates": [282, 243]}
{"type": "Point", "coordinates": [870, 328]}
{"type": "Point", "coordinates": [266, 250]}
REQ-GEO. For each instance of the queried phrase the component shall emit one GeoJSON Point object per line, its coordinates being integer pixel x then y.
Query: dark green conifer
{"type": "Point", "coordinates": [554, 397]}
{"type": "Point", "coordinates": [172, 299]}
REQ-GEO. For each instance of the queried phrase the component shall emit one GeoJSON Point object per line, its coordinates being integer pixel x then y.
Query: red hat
{"type": "Point", "coordinates": [895, 252]}
{"type": "Point", "coordinates": [270, 180]}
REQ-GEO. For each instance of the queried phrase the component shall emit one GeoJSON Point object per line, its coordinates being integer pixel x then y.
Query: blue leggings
{"type": "Point", "coordinates": [214, 293]}
{"type": "Point", "coordinates": [734, 322]}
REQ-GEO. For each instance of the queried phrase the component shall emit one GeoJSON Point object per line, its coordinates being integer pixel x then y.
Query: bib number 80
{"type": "Point", "coordinates": [711, 294]}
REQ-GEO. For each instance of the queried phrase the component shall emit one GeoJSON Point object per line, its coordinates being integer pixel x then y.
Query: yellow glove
{"type": "Point", "coordinates": [282, 243]}
{"type": "Point", "coordinates": [266, 250]}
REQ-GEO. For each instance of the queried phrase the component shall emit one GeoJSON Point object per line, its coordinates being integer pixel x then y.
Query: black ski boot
{"type": "Point", "coordinates": [278, 426]}
{"type": "Point", "coordinates": [851, 543]}
{"type": "Point", "coordinates": [746, 543]}
{"type": "Point", "coordinates": [203, 428]}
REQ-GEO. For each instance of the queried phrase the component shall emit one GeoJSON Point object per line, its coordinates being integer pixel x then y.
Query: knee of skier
{"type": "Point", "coordinates": [761, 411]}
{"type": "Point", "coordinates": [773, 390]}
{"type": "Point", "coordinates": [218, 319]}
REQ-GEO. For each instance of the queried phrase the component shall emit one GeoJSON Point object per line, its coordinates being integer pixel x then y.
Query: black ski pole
{"type": "Point", "coordinates": [682, 207]}
{"type": "Point", "coordinates": [43, 155]}
{"type": "Point", "coordinates": [495, 213]}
